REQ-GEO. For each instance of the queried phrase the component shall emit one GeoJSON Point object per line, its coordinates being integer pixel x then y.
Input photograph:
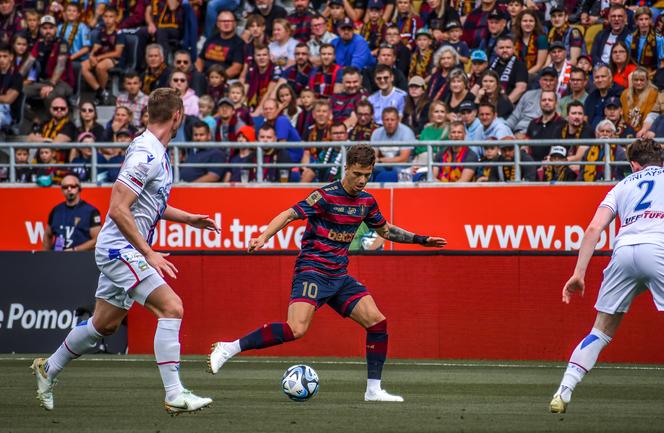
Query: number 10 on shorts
{"type": "Point", "coordinates": [309, 290]}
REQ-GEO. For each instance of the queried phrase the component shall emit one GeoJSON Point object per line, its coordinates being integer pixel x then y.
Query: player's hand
{"type": "Point", "coordinates": [435, 242]}
{"type": "Point", "coordinates": [574, 284]}
{"type": "Point", "coordinates": [204, 222]}
{"type": "Point", "coordinates": [161, 265]}
{"type": "Point", "coordinates": [256, 244]}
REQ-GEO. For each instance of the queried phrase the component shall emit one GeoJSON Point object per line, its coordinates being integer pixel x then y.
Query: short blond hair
{"type": "Point", "coordinates": [163, 104]}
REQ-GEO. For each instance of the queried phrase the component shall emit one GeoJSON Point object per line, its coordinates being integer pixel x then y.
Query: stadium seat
{"type": "Point", "coordinates": [128, 62]}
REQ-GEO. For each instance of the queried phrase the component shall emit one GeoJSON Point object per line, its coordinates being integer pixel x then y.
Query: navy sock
{"type": "Point", "coordinates": [268, 335]}
{"type": "Point", "coordinates": [376, 349]}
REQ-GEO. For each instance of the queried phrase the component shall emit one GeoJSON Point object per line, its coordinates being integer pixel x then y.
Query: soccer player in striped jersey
{"type": "Point", "coordinates": [637, 262]}
{"type": "Point", "coordinates": [334, 212]}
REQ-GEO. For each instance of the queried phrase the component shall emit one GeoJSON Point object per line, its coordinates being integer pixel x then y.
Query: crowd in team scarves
{"type": "Point", "coordinates": [345, 70]}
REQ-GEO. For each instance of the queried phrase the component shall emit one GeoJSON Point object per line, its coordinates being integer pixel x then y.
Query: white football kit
{"type": "Point", "coordinates": [125, 274]}
{"type": "Point", "coordinates": [637, 263]}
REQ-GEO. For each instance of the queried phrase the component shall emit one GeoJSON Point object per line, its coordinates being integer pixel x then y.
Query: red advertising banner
{"type": "Point", "coordinates": [464, 307]}
{"type": "Point", "coordinates": [470, 218]}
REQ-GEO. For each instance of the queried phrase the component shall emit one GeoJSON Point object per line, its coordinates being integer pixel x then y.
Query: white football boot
{"type": "Point", "coordinates": [382, 395]}
{"type": "Point", "coordinates": [186, 402]}
{"type": "Point", "coordinates": [218, 357]}
{"type": "Point", "coordinates": [44, 384]}
{"type": "Point", "coordinates": [558, 404]}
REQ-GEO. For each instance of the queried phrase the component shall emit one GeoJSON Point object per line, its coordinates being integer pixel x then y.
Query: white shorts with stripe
{"type": "Point", "coordinates": [632, 270]}
{"type": "Point", "coordinates": [125, 277]}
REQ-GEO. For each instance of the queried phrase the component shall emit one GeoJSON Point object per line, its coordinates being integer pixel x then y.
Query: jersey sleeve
{"type": "Point", "coordinates": [138, 169]}
{"type": "Point", "coordinates": [374, 218]}
{"type": "Point", "coordinates": [95, 218]}
{"type": "Point", "coordinates": [610, 201]}
{"type": "Point", "coordinates": [313, 205]}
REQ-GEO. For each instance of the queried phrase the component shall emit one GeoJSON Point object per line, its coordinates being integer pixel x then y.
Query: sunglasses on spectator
{"type": "Point", "coordinates": [179, 80]}
{"type": "Point", "coordinates": [66, 187]}
{"type": "Point", "coordinates": [382, 78]}
{"type": "Point", "coordinates": [59, 108]}
{"type": "Point", "coordinates": [87, 110]}
{"type": "Point", "coordinates": [182, 62]}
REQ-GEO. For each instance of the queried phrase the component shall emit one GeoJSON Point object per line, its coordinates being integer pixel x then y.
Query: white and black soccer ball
{"type": "Point", "coordinates": [300, 382]}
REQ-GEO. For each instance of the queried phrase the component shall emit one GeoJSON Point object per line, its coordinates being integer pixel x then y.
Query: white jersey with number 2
{"type": "Point", "coordinates": [639, 202]}
{"type": "Point", "coordinates": [147, 172]}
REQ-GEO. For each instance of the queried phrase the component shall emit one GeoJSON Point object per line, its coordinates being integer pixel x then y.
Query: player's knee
{"type": "Point", "coordinates": [173, 309]}
{"type": "Point", "coordinates": [377, 320]}
{"type": "Point", "coordinates": [299, 329]}
{"type": "Point", "coordinates": [108, 329]}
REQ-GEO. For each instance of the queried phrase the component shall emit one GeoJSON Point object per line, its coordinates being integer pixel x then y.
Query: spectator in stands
{"type": "Point", "coordinates": [365, 125]}
{"type": "Point", "coordinates": [11, 21]}
{"type": "Point", "coordinates": [497, 27]}
{"type": "Point", "coordinates": [157, 73]}
{"type": "Point", "coordinates": [287, 100]}
{"type": "Point", "coordinates": [179, 82]}
{"type": "Point", "coordinates": [528, 107]}
{"type": "Point", "coordinates": [387, 95]}
{"type": "Point", "coordinates": [373, 29]}
{"type": "Point", "coordinates": [562, 31]}
{"type": "Point", "coordinates": [491, 92]}
{"type": "Point", "coordinates": [478, 65]}
{"type": "Point", "coordinates": [350, 48]}
{"type": "Point", "coordinates": [458, 154]}
{"type": "Point", "coordinates": [216, 85]}
{"type": "Point", "coordinates": [306, 105]}
{"type": "Point", "coordinates": [595, 153]}
{"type": "Point", "coordinates": [331, 155]}
{"type": "Point", "coordinates": [458, 90]}
{"type": "Point", "coordinates": [58, 128]}
{"type": "Point", "coordinates": [386, 56]}
{"type": "Point", "coordinates": [621, 64]}
{"type": "Point", "coordinates": [416, 107]}
{"type": "Point", "coordinates": [50, 55]}
{"type": "Point", "coordinates": [283, 129]}
{"type": "Point", "coordinates": [53, 174]}
{"type": "Point", "coordinates": [326, 78]}
{"type": "Point", "coordinates": [514, 8]}
{"type": "Point", "coordinates": [577, 90]}
{"type": "Point", "coordinates": [246, 155]}
{"type": "Point", "coordinates": [182, 62]}
{"type": "Point", "coordinates": [224, 48]}
{"type": "Point", "coordinates": [205, 155]}
{"type": "Point", "coordinates": [109, 159]}
{"type": "Point", "coordinates": [82, 155]}
{"type": "Point", "coordinates": [438, 82]}
{"type": "Point", "coordinates": [319, 36]}
{"type": "Point", "coordinates": [392, 130]}
{"type": "Point", "coordinates": [206, 109]}
{"type": "Point", "coordinates": [436, 130]}
{"type": "Point", "coordinates": [166, 21]}
{"type": "Point", "coordinates": [454, 34]}
{"type": "Point", "coordinates": [297, 75]}
{"type": "Point", "coordinates": [531, 45]}
{"type": "Point", "coordinates": [613, 112]}
{"type": "Point", "coordinates": [474, 128]}
{"type": "Point", "coordinates": [638, 98]}
{"type": "Point", "coordinates": [545, 127]}
{"type": "Point", "coordinates": [559, 62]}
{"type": "Point", "coordinates": [270, 12]}
{"type": "Point", "coordinates": [237, 95]}
{"type": "Point", "coordinates": [21, 53]}
{"type": "Point", "coordinates": [132, 97]}
{"type": "Point", "coordinates": [32, 33]}
{"type": "Point", "coordinates": [606, 39]}
{"type": "Point", "coordinates": [494, 128]}
{"type": "Point", "coordinates": [407, 21]}
{"type": "Point", "coordinates": [335, 12]}
{"type": "Point", "coordinates": [107, 47]}
{"type": "Point", "coordinates": [402, 53]}
{"type": "Point", "coordinates": [253, 36]}
{"type": "Point", "coordinates": [300, 20]}
{"type": "Point", "coordinates": [267, 134]}
{"type": "Point", "coordinates": [261, 78]}
{"type": "Point", "coordinates": [576, 128]}
{"type": "Point", "coordinates": [73, 225]}
{"type": "Point", "coordinates": [645, 45]}
{"type": "Point", "coordinates": [75, 32]}
{"type": "Point", "coordinates": [11, 85]}
{"type": "Point", "coordinates": [421, 63]}
{"type": "Point", "coordinates": [227, 121]}
{"type": "Point", "coordinates": [475, 28]}
{"type": "Point", "coordinates": [512, 71]}
{"type": "Point", "coordinates": [558, 173]}
{"type": "Point", "coordinates": [318, 131]}
{"type": "Point", "coordinates": [507, 173]}
{"type": "Point", "coordinates": [121, 121]}
{"type": "Point", "coordinates": [282, 47]}
{"type": "Point", "coordinates": [435, 14]}
{"type": "Point", "coordinates": [87, 116]}
{"type": "Point", "coordinates": [343, 103]}
{"type": "Point", "coordinates": [491, 154]}
{"type": "Point", "coordinates": [604, 89]}
{"type": "Point", "coordinates": [22, 158]}
{"type": "Point", "coordinates": [213, 9]}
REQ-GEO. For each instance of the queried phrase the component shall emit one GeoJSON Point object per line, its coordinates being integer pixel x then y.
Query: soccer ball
{"type": "Point", "coordinates": [300, 382]}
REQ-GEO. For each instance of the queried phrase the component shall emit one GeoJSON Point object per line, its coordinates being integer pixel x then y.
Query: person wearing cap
{"type": "Point", "coordinates": [336, 12]}
{"type": "Point", "coordinates": [497, 27]}
{"type": "Point", "coordinates": [512, 71]}
{"type": "Point", "coordinates": [528, 107]}
{"type": "Point", "coordinates": [604, 89]}
{"type": "Point", "coordinates": [475, 28]}
{"type": "Point", "coordinates": [203, 155]}
{"type": "Point", "coordinates": [569, 36]}
{"type": "Point", "coordinates": [474, 128]}
{"type": "Point", "coordinates": [454, 34]}
{"type": "Point", "coordinates": [478, 64]}
{"type": "Point", "coordinates": [227, 121]}
{"type": "Point", "coordinates": [576, 128]}
{"type": "Point", "coordinates": [416, 107]}
{"type": "Point", "coordinates": [576, 90]}
{"type": "Point", "coordinates": [545, 127]}
{"type": "Point", "coordinates": [387, 95]}
{"type": "Point", "coordinates": [422, 60]}
{"type": "Point", "coordinates": [558, 173]}
{"type": "Point", "coordinates": [245, 155]}
{"type": "Point", "coordinates": [50, 55]}
{"type": "Point", "coordinates": [373, 29]}
{"type": "Point", "coordinates": [407, 21]}
{"type": "Point", "coordinates": [559, 62]}
{"type": "Point", "coordinates": [507, 173]}
{"type": "Point", "coordinates": [646, 46]}
{"type": "Point", "coordinates": [319, 36]}
{"type": "Point", "coordinates": [351, 48]}
{"type": "Point", "coordinates": [617, 31]}
{"type": "Point", "coordinates": [613, 111]}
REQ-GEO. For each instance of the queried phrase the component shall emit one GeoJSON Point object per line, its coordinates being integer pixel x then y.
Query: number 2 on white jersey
{"type": "Point", "coordinates": [643, 205]}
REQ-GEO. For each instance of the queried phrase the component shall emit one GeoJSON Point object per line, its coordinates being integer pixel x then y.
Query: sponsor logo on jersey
{"type": "Point", "coordinates": [313, 198]}
{"type": "Point", "coordinates": [345, 237]}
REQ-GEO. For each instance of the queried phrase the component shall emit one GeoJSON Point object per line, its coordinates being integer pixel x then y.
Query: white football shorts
{"type": "Point", "coordinates": [632, 270]}
{"type": "Point", "coordinates": [125, 277]}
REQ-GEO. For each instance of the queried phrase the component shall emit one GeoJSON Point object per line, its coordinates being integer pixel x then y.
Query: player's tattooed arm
{"type": "Point", "coordinates": [397, 234]}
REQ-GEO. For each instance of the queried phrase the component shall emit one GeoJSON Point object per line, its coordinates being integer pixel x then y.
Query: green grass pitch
{"type": "Point", "coordinates": [123, 394]}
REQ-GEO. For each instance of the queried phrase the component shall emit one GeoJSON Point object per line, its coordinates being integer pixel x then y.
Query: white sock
{"type": "Point", "coordinates": [373, 385]}
{"type": "Point", "coordinates": [583, 359]}
{"type": "Point", "coordinates": [233, 347]}
{"type": "Point", "coordinates": [80, 340]}
{"type": "Point", "coordinates": [167, 354]}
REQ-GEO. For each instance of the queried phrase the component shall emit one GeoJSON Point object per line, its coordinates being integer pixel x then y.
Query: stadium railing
{"type": "Point", "coordinates": [259, 165]}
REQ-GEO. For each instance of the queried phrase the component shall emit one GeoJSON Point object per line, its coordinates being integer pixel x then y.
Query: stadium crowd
{"type": "Point", "coordinates": [358, 70]}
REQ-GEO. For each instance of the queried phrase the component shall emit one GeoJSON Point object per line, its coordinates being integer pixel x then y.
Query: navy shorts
{"type": "Point", "coordinates": [340, 293]}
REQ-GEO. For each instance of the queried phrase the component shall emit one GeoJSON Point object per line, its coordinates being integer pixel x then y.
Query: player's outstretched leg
{"type": "Point", "coordinates": [583, 359]}
{"type": "Point", "coordinates": [80, 340]}
{"type": "Point", "coordinates": [167, 306]}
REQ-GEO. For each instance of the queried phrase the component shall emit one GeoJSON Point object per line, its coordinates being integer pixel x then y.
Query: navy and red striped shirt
{"type": "Point", "coordinates": [334, 217]}
{"type": "Point", "coordinates": [343, 104]}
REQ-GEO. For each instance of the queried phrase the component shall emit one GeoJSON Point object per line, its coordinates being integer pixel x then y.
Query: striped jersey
{"type": "Point", "coordinates": [147, 172]}
{"type": "Point", "coordinates": [333, 218]}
